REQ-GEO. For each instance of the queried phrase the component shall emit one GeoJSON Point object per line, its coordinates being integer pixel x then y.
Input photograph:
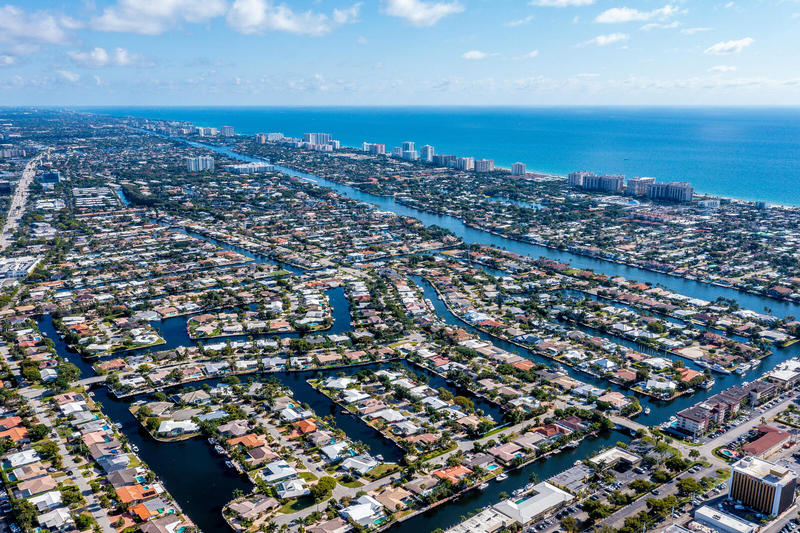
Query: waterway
{"type": "Point", "coordinates": [472, 235]}
{"type": "Point", "coordinates": [202, 484]}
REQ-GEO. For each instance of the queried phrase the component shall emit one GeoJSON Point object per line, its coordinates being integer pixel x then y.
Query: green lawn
{"type": "Point", "coordinates": [299, 504]}
{"type": "Point", "coordinates": [381, 471]}
{"type": "Point", "coordinates": [308, 476]}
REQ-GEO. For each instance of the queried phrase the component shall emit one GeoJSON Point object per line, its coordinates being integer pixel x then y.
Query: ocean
{"type": "Point", "coordinates": [741, 153]}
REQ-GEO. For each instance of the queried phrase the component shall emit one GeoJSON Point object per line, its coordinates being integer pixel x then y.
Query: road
{"type": "Point", "coordinates": [92, 505]}
{"type": "Point", "coordinates": [18, 202]}
{"type": "Point", "coordinates": [706, 452]}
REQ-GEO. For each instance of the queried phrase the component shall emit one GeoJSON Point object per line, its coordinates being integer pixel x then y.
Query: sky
{"type": "Point", "coordinates": [399, 52]}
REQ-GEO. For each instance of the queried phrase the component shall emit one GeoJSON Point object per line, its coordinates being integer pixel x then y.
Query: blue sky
{"type": "Point", "coordinates": [399, 52]}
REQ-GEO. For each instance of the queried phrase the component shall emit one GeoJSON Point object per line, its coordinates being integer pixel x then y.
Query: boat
{"type": "Point", "coordinates": [212, 440]}
{"type": "Point", "coordinates": [572, 444]}
{"type": "Point", "coordinates": [483, 486]}
{"type": "Point", "coordinates": [134, 448]}
{"type": "Point", "coordinates": [501, 477]}
{"type": "Point", "coordinates": [702, 364]}
{"type": "Point", "coordinates": [741, 369]}
{"type": "Point", "coordinates": [229, 464]}
{"type": "Point", "coordinates": [707, 384]}
{"type": "Point", "coordinates": [219, 449]}
{"type": "Point", "coordinates": [647, 410]}
{"type": "Point", "coordinates": [719, 368]}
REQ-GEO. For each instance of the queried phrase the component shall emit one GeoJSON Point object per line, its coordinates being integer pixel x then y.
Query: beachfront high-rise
{"type": "Point", "coordinates": [426, 153]}
{"type": "Point", "coordinates": [408, 146]}
{"type": "Point", "coordinates": [484, 165]}
{"type": "Point", "coordinates": [638, 186]}
{"type": "Point", "coordinates": [676, 191]}
{"type": "Point", "coordinates": [317, 138]}
{"type": "Point", "coordinates": [518, 169]}
{"type": "Point", "coordinates": [226, 131]}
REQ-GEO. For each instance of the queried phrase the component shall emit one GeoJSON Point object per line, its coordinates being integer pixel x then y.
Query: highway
{"type": "Point", "coordinates": [18, 202]}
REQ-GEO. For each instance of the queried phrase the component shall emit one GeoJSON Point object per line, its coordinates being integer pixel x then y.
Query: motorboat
{"type": "Point", "coordinates": [501, 477]}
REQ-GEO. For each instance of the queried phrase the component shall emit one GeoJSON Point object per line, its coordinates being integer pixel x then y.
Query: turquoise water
{"type": "Point", "coordinates": [745, 153]}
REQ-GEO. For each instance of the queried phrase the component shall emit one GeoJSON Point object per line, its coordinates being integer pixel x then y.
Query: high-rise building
{"type": "Point", "coordinates": [275, 136]}
{"type": "Point", "coordinates": [765, 487]}
{"type": "Point", "coordinates": [465, 163]}
{"type": "Point", "coordinates": [335, 144]}
{"type": "Point", "coordinates": [410, 155]}
{"type": "Point", "coordinates": [317, 138]}
{"type": "Point", "coordinates": [408, 146]}
{"type": "Point", "coordinates": [426, 153]}
{"type": "Point", "coordinates": [575, 179]}
{"type": "Point", "coordinates": [518, 169]}
{"type": "Point", "coordinates": [638, 186]}
{"type": "Point", "coordinates": [606, 183]}
{"type": "Point", "coordinates": [397, 151]}
{"type": "Point", "coordinates": [366, 147]}
{"type": "Point", "coordinates": [372, 148]}
{"type": "Point", "coordinates": [199, 164]}
{"type": "Point", "coordinates": [444, 160]}
{"type": "Point", "coordinates": [676, 191]}
{"type": "Point", "coordinates": [484, 165]}
{"type": "Point", "coordinates": [261, 138]}
{"type": "Point", "coordinates": [226, 131]}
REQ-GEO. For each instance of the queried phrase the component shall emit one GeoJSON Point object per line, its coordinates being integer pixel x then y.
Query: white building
{"type": "Point", "coordinates": [365, 511]}
{"type": "Point", "coordinates": [484, 165]}
{"type": "Point", "coordinates": [226, 131]}
{"type": "Point", "coordinates": [518, 169]}
{"type": "Point", "coordinates": [722, 522]}
{"type": "Point", "coordinates": [426, 153]}
{"type": "Point", "coordinates": [199, 164]}
{"type": "Point", "coordinates": [544, 499]}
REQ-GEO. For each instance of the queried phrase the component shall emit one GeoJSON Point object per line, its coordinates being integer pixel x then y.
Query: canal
{"type": "Point", "coordinates": [471, 235]}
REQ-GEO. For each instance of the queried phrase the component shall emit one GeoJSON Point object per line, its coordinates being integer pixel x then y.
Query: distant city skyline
{"type": "Point", "coordinates": [399, 52]}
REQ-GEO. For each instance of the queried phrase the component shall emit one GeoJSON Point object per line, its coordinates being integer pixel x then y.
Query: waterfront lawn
{"type": "Point", "coordinates": [382, 471]}
{"type": "Point", "coordinates": [354, 484]}
{"type": "Point", "coordinates": [293, 506]}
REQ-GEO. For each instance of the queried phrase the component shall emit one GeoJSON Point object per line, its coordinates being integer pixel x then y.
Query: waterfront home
{"type": "Point", "coordinates": [260, 455]}
{"type": "Point", "coordinates": [453, 473]}
{"type": "Point", "coordinates": [251, 440]}
{"type": "Point", "coordinates": [291, 488]}
{"type": "Point", "coordinates": [506, 453]}
{"type": "Point", "coordinates": [334, 452]}
{"type": "Point", "coordinates": [337, 525]}
{"type": "Point", "coordinates": [278, 471]}
{"type": "Point", "coordinates": [152, 508]}
{"type": "Point", "coordinates": [360, 464]}
{"type": "Point", "coordinates": [234, 428]}
{"type": "Point", "coordinates": [394, 498]}
{"type": "Point", "coordinates": [529, 441]}
{"type": "Point", "coordinates": [173, 428]}
{"type": "Point", "coordinates": [293, 414]}
{"type": "Point", "coordinates": [167, 524]}
{"type": "Point", "coordinates": [365, 511]}
{"type": "Point", "coordinates": [252, 509]}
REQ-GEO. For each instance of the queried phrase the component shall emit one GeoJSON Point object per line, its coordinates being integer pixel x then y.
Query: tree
{"type": "Point", "coordinates": [569, 524]}
{"type": "Point", "coordinates": [688, 485]}
{"type": "Point", "coordinates": [323, 488]}
{"type": "Point", "coordinates": [25, 512]}
{"type": "Point", "coordinates": [38, 432]}
{"type": "Point", "coordinates": [84, 521]}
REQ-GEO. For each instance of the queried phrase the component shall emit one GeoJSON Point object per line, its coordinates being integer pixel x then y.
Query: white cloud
{"type": "Point", "coordinates": [660, 25]}
{"type": "Point", "coordinates": [692, 31]}
{"type": "Point", "coordinates": [519, 22]}
{"type": "Point", "coordinates": [531, 54]}
{"type": "Point", "coordinates": [605, 40]}
{"type": "Point", "coordinates": [151, 17]}
{"type": "Point", "coordinates": [561, 3]}
{"type": "Point", "coordinates": [22, 33]}
{"type": "Point", "coordinates": [255, 16]}
{"type": "Point", "coordinates": [626, 14]}
{"type": "Point", "coordinates": [475, 55]}
{"type": "Point", "coordinates": [722, 68]}
{"type": "Point", "coordinates": [100, 57]}
{"type": "Point", "coordinates": [729, 47]}
{"type": "Point", "coordinates": [420, 13]}
{"type": "Point", "coordinates": [69, 76]}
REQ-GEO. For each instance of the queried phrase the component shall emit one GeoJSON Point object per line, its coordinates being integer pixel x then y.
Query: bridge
{"type": "Point", "coordinates": [89, 382]}
{"type": "Point", "coordinates": [628, 424]}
